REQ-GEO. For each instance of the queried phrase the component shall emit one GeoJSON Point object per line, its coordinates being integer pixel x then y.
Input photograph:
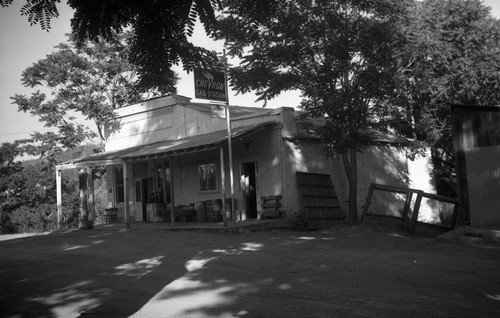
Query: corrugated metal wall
{"type": "Point", "coordinates": [476, 132]}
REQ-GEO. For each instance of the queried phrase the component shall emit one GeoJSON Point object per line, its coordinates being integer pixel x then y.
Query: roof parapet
{"type": "Point", "coordinates": [151, 104]}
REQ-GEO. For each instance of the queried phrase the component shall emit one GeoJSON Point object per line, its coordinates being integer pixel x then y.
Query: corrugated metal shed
{"type": "Point", "coordinates": [476, 133]}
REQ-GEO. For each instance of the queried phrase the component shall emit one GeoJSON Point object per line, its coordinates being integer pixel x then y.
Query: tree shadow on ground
{"type": "Point", "coordinates": [91, 272]}
{"type": "Point", "coordinates": [159, 273]}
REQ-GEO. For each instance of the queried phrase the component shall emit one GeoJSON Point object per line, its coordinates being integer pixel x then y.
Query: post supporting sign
{"type": "Point", "coordinates": [210, 85]}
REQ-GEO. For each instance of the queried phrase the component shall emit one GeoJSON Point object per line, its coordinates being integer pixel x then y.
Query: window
{"type": "Point", "coordinates": [119, 189]}
{"type": "Point", "coordinates": [207, 177]}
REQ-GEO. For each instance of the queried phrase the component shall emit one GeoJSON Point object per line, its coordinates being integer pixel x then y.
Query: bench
{"type": "Point", "coordinates": [270, 206]}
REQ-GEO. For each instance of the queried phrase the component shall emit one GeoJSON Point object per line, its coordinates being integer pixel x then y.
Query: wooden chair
{"type": "Point", "coordinates": [270, 206]}
{"type": "Point", "coordinates": [110, 216]}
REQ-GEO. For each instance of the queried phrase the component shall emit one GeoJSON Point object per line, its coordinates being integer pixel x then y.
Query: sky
{"type": "Point", "coordinates": [21, 45]}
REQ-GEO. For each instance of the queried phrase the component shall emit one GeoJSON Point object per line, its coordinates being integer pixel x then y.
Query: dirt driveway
{"type": "Point", "coordinates": [112, 272]}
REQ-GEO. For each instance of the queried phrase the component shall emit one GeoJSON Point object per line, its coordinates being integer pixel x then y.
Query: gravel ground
{"type": "Point", "coordinates": [154, 272]}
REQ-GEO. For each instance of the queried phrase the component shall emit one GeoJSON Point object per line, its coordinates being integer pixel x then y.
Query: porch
{"type": "Point", "coordinates": [238, 226]}
{"type": "Point", "coordinates": [187, 181]}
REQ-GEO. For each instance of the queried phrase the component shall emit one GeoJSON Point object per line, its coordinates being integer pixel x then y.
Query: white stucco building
{"type": "Point", "coordinates": [168, 152]}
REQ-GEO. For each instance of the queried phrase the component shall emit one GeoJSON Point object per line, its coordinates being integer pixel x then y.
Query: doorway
{"type": "Point", "coordinates": [141, 190]}
{"type": "Point", "coordinates": [144, 192]}
{"type": "Point", "coordinates": [248, 188]}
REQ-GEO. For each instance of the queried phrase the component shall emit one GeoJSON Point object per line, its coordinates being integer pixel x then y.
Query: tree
{"type": "Point", "coordinates": [91, 79]}
{"type": "Point", "coordinates": [452, 56]}
{"type": "Point", "coordinates": [28, 193]}
{"type": "Point", "coordinates": [339, 54]}
{"type": "Point", "coordinates": [9, 185]}
{"type": "Point", "coordinates": [161, 30]}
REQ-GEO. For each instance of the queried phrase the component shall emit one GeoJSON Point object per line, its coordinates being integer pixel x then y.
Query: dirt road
{"type": "Point", "coordinates": [112, 272]}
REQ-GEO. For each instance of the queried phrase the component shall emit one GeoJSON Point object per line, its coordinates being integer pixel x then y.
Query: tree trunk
{"type": "Point", "coordinates": [351, 170]}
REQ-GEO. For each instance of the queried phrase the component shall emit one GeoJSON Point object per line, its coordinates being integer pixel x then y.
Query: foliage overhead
{"type": "Point", "coordinates": [338, 54]}
{"type": "Point", "coordinates": [91, 79]}
{"type": "Point", "coordinates": [9, 167]}
{"type": "Point", "coordinates": [38, 12]}
{"type": "Point", "coordinates": [161, 30]}
{"type": "Point", "coordinates": [452, 56]}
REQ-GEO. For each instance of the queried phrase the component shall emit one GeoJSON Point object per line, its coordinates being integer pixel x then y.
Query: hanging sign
{"type": "Point", "coordinates": [209, 85]}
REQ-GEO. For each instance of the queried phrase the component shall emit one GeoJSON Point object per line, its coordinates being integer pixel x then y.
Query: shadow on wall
{"type": "Point", "coordinates": [168, 117]}
{"type": "Point", "coordinates": [138, 129]}
{"type": "Point", "coordinates": [387, 166]}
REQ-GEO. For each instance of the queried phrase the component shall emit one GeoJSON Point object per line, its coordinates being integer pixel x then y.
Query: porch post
{"type": "Point", "coordinates": [282, 167]}
{"type": "Point", "coordinates": [126, 195]}
{"type": "Point", "coordinates": [172, 211]}
{"type": "Point", "coordinates": [90, 196]}
{"type": "Point", "coordinates": [84, 221]}
{"type": "Point", "coordinates": [59, 198]}
{"type": "Point", "coordinates": [223, 186]}
{"type": "Point", "coordinates": [230, 147]}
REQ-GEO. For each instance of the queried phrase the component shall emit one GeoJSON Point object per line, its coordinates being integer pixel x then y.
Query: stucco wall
{"type": "Point", "coordinates": [379, 165]}
{"type": "Point", "coordinates": [261, 148]}
{"type": "Point", "coordinates": [171, 118]}
{"type": "Point", "coordinates": [185, 177]}
{"type": "Point", "coordinates": [308, 157]}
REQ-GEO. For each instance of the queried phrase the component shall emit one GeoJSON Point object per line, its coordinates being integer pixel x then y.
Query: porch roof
{"type": "Point", "coordinates": [169, 147]}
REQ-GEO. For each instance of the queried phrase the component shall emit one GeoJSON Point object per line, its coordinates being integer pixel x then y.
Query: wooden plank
{"type": "Point", "coordinates": [319, 202]}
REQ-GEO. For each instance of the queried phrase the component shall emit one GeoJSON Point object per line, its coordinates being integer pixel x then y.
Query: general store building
{"type": "Point", "coordinates": [169, 152]}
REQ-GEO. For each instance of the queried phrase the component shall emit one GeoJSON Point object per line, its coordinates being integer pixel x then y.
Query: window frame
{"type": "Point", "coordinates": [207, 188]}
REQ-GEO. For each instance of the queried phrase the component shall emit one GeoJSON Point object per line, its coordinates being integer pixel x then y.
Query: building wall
{"type": "Point", "coordinates": [261, 148]}
{"type": "Point", "coordinates": [483, 179]}
{"type": "Point", "coordinates": [378, 165]}
{"type": "Point", "coordinates": [306, 157]}
{"type": "Point", "coordinates": [159, 119]}
{"type": "Point", "coordinates": [185, 177]}
{"type": "Point", "coordinates": [171, 117]}
{"type": "Point", "coordinates": [476, 145]}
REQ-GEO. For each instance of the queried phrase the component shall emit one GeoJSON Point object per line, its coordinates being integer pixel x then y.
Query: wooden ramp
{"type": "Point", "coordinates": [319, 203]}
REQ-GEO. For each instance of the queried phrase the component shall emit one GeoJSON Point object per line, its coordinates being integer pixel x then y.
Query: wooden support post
{"type": "Point", "coordinates": [172, 211]}
{"type": "Point", "coordinates": [367, 202]}
{"type": "Point", "coordinates": [90, 198]}
{"type": "Point", "coordinates": [83, 224]}
{"type": "Point", "coordinates": [59, 198]}
{"type": "Point", "coordinates": [223, 186]}
{"type": "Point", "coordinates": [126, 195]}
{"type": "Point", "coordinates": [230, 150]}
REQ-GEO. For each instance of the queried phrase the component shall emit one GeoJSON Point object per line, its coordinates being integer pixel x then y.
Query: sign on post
{"type": "Point", "coordinates": [212, 85]}
{"type": "Point", "coordinates": [209, 85]}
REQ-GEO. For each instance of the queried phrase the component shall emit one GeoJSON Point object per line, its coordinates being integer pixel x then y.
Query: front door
{"type": "Point", "coordinates": [144, 194]}
{"type": "Point", "coordinates": [249, 188]}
